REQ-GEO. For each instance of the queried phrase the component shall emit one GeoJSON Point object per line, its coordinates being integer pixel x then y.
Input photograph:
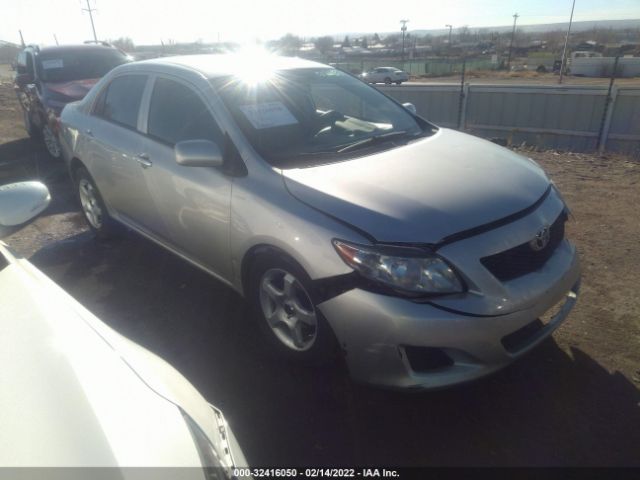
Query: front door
{"type": "Point", "coordinates": [194, 202]}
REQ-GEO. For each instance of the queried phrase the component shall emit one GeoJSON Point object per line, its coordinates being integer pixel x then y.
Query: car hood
{"type": "Point", "coordinates": [424, 191]}
{"type": "Point", "coordinates": [79, 394]}
{"type": "Point", "coordinates": [73, 90]}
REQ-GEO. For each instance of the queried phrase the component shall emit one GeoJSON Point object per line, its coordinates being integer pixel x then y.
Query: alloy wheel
{"type": "Point", "coordinates": [51, 141]}
{"type": "Point", "coordinates": [90, 205]}
{"type": "Point", "coordinates": [288, 309]}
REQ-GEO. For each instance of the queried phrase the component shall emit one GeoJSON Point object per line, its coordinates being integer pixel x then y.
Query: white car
{"type": "Point", "coordinates": [386, 75]}
{"type": "Point", "coordinates": [77, 394]}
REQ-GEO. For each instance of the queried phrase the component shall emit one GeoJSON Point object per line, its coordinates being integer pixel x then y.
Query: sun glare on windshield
{"type": "Point", "coordinates": [256, 65]}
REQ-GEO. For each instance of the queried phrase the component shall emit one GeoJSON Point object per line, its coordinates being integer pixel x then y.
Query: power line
{"type": "Point", "coordinates": [513, 34]}
{"type": "Point", "coordinates": [91, 10]}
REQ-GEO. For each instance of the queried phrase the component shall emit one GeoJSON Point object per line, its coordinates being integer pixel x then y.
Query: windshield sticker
{"type": "Point", "coordinates": [268, 115]}
{"type": "Point", "coordinates": [49, 64]}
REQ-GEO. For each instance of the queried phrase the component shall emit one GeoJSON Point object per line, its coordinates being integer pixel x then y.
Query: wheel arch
{"type": "Point", "coordinates": [255, 252]}
{"type": "Point", "coordinates": [74, 165]}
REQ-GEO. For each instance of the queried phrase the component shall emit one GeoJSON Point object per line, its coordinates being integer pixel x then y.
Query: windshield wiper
{"type": "Point", "coordinates": [383, 137]}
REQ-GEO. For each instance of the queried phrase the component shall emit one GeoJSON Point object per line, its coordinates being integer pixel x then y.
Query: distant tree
{"type": "Point", "coordinates": [365, 42]}
{"type": "Point", "coordinates": [376, 38]}
{"type": "Point", "coordinates": [123, 43]}
{"type": "Point", "coordinates": [290, 44]}
{"type": "Point", "coordinates": [464, 33]}
{"type": "Point", "coordinates": [324, 44]}
{"type": "Point", "coordinates": [425, 40]}
{"type": "Point", "coordinates": [393, 40]}
{"type": "Point", "coordinates": [346, 42]}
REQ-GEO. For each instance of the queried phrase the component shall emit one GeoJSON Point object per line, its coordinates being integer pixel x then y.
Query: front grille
{"type": "Point", "coordinates": [520, 260]}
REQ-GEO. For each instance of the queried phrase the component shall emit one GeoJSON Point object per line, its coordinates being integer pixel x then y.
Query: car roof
{"type": "Point", "coordinates": [219, 65]}
{"type": "Point", "coordinates": [70, 48]}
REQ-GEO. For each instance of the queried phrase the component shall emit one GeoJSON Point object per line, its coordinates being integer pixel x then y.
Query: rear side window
{"type": "Point", "coordinates": [29, 66]}
{"type": "Point", "coordinates": [177, 113]}
{"type": "Point", "coordinates": [22, 63]}
{"type": "Point", "coordinates": [120, 102]}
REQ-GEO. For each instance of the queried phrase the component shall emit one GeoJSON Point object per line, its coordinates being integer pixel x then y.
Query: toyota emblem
{"type": "Point", "coordinates": [541, 239]}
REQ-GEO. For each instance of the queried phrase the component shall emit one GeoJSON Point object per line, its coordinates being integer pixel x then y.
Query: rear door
{"type": "Point", "coordinates": [116, 150]}
{"type": "Point", "coordinates": [194, 202]}
{"type": "Point", "coordinates": [379, 75]}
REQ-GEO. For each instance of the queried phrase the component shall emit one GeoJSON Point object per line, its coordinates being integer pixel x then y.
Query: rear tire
{"type": "Point", "coordinates": [387, 81]}
{"type": "Point", "coordinates": [93, 208]}
{"type": "Point", "coordinates": [281, 296]}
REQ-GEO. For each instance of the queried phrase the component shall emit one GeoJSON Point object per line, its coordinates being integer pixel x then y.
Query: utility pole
{"type": "Point", "coordinates": [56, 39]}
{"type": "Point", "coordinates": [21, 38]}
{"type": "Point", "coordinates": [513, 34]}
{"type": "Point", "coordinates": [404, 30]}
{"type": "Point", "coordinates": [449, 46]}
{"type": "Point", "coordinates": [566, 41]}
{"type": "Point", "coordinates": [91, 10]}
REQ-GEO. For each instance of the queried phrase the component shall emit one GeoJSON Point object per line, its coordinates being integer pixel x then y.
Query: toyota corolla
{"type": "Point", "coordinates": [427, 257]}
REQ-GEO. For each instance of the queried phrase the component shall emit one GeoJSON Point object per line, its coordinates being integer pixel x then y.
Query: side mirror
{"type": "Point", "coordinates": [411, 107]}
{"type": "Point", "coordinates": [20, 203]}
{"type": "Point", "coordinates": [198, 153]}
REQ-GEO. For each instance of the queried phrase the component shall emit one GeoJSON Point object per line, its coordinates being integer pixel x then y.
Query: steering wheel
{"type": "Point", "coordinates": [330, 117]}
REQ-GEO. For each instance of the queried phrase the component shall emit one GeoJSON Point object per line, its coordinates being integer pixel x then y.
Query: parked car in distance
{"type": "Point", "coordinates": [386, 75]}
{"type": "Point", "coordinates": [48, 78]}
{"type": "Point", "coordinates": [77, 394]}
{"type": "Point", "coordinates": [350, 223]}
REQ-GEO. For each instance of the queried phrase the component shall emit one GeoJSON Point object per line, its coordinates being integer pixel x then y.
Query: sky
{"type": "Point", "coordinates": [150, 21]}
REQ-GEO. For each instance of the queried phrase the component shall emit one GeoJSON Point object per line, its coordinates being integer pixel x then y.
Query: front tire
{"type": "Point", "coordinates": [387, 81]}
{"type": "Point", "coordinates": [281, 294]}
{"type": "Point", "coordinates": [28, 125]}
{"type": "Point", "coordinates": [93, 208]}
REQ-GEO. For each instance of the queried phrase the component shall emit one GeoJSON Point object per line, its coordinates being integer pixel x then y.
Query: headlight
{"type": "Point", "coordinates": [216, 465]}
{"type": "Point", "coordinates": [408, 270]}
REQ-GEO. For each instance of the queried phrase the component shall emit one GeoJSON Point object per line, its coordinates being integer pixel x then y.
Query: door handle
{"type": "Point", "coordinates": [143, 160]}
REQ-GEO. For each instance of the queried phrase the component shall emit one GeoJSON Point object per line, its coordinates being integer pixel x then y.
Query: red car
{"type": "Point", "coordinates": [48, 78]}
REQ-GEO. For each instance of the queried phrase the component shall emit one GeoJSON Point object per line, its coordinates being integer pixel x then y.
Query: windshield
{"type": "Point", "coordinates": [315, 112]}
{"type": "Point", "coordinates": [61, 66]}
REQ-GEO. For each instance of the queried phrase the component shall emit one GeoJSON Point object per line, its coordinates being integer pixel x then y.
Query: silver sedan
{"type": "Point", "coordinates": [425, 256]}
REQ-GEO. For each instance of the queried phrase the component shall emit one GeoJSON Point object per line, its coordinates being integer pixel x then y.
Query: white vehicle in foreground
{"type": "Point", "coordinates": [77, 394]}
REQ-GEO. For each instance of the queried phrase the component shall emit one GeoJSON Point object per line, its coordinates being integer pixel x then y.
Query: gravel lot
{"type": "Point", "coordinates": [573, 401]}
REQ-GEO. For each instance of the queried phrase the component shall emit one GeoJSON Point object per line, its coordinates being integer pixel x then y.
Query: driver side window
{"type": "Point", "coordinates": [177, 113]}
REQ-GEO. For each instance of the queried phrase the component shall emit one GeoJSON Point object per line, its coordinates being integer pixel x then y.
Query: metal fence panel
{"type": "Point", "coordinates": [559, 117]}
{"type": "Point", "coordinates": [624, 133]}
{"type": "Point", "coordinates": [434, 101]}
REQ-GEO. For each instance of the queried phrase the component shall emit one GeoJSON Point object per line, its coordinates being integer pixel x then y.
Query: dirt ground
{"type": "Point", "coordinates": [574, 401]}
